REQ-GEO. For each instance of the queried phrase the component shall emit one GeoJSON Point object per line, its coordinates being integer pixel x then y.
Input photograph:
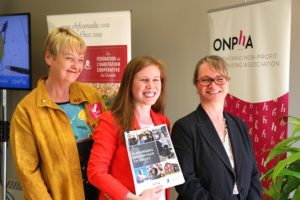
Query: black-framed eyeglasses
{"type": "Point", "coordinates": [206, 81]}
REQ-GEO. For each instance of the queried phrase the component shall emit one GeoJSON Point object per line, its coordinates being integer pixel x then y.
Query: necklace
{"type": "Point", "coordinates": [223, 131]}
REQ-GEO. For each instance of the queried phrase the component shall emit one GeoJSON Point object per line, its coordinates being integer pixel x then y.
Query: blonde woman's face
{"type": "Point", "coordinates": [65, 67]}
{"type": "Point", "coordinates": [146, 86]}
{"type": "Point", "coordinates": [214, 91]}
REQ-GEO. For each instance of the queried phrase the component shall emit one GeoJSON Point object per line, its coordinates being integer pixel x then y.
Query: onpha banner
{"type": "Point", "coordinates": [108, 39]}
{"type": "Point", "coordinates": [254, 39]}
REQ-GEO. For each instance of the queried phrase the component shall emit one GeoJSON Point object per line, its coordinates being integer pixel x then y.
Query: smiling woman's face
{"type": "Point", "coordinates": [146, 86]}
{"type": "Point", "coordinates": [65, 67]}
{"type": "Point", "coordinates": [213, 92]}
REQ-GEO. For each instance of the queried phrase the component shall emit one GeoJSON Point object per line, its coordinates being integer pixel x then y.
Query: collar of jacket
{"type": "Point", "coordinates": [43, 99]}
{"type": "Point", "coordinates": [210, 134]}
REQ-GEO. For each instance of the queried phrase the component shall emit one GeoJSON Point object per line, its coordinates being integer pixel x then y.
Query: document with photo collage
{"type": "Point", "coordinates": [152, 158]}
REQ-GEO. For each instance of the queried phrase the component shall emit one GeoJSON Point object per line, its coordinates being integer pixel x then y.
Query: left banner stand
{"type": "Point", "coordinates": [108, 39]}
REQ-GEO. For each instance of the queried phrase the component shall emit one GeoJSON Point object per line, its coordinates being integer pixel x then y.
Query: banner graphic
{"type": "Point", "coordinates": [108, 39]}
{"type": "Point", "coordinates": [257, 51]}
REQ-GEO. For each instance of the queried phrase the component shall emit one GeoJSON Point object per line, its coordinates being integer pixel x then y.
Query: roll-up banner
{"type": "Point", "coordinates": [254, 39]}
{"type": "Point", "coordinates": [108, 39]}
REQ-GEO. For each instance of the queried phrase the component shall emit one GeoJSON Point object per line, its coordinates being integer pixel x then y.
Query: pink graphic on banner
{"type": "Point", "coordinates": [104, 64]}
{"type": "Point", "coordinates": [266, 123]}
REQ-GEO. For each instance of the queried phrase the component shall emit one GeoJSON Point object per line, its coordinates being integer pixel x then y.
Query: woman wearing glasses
{"type": "Point", "coordinates": [213, 147]}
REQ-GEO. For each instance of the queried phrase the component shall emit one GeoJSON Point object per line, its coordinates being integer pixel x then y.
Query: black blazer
{"type": "Point", "coordinates": [205, 165]}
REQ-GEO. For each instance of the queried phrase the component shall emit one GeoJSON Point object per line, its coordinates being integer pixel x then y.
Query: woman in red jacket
{"type": "Point", "coordinates": [139, 104]}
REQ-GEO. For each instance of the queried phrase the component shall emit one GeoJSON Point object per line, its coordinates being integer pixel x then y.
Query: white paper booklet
{"type": "Point", "coordinates": [152, 158]}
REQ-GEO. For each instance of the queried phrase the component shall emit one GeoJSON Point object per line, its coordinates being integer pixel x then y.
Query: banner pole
{"type": "Point", "coordinates": [245, 3]}
{"type": "Point", "coordinates": [4, 139]}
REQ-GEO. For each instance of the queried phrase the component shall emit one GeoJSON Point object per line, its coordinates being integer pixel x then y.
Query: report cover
{"type": "Point", "coordinates": [152, 158]}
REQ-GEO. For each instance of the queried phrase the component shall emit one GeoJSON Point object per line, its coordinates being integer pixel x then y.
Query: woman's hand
{"type": "Point", "coordinates": [149, 194]}
{"type": "Point", "coordinates": [153, 193]}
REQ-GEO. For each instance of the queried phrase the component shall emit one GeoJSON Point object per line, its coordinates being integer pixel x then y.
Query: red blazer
{"type": "Point", "coordinates": [109, 167]}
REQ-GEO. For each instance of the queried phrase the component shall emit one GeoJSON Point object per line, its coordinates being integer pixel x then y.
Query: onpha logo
{"type": "Point", "coordinates": [242, 41]}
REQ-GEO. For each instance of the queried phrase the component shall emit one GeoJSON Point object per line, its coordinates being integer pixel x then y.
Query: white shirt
{"type": "Point", "coordinates": [228, 149]}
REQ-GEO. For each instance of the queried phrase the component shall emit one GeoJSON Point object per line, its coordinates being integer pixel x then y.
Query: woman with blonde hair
{"type": "Point", "coordinates": [51, 120]}
{"type": "Point", "coordinates": [213, 147]}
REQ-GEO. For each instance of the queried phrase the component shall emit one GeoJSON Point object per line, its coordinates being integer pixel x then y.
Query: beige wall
{"type": "Point", "coordinates": [174, 30]}
{"type": "Point", "coordinates": [294, 94]}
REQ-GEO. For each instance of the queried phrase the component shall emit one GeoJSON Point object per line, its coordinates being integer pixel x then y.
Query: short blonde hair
{"type": "Point", "coordinates": [62, 40]}
{"type": "Point", "coordinates": [215, 62]}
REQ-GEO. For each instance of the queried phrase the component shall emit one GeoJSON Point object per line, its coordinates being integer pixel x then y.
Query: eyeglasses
{"type": "Point", "coordinates": [206, 81]}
